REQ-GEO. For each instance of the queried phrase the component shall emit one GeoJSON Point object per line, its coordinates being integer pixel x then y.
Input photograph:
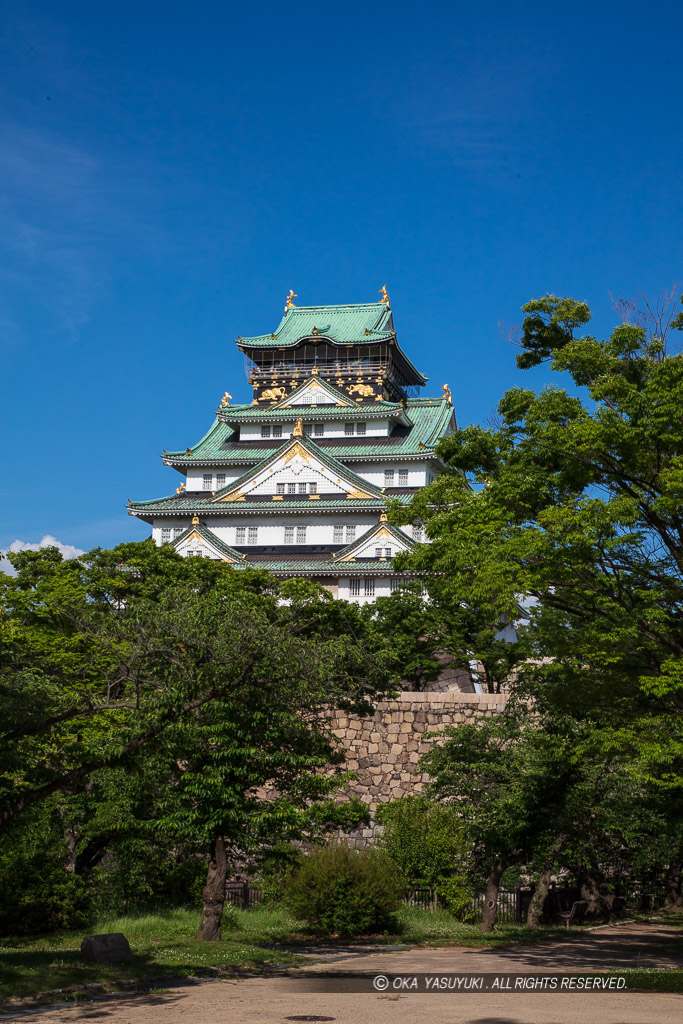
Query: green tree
{"type": "Point", "coordinates": [578, 503]}
{"type": "Point", "coordinates": [135, 657]}
{"type": "Point", "coordinates": [427, 841]}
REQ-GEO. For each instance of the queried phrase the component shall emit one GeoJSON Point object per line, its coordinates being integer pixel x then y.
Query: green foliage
{"type": "Point", "coordinates": [427, 841]}
{"type": "Point", "coordinates": [37, 891]}
{"type": "Point", "coordinates": [457, 896]}
{"type": "Point", "coordinates": [414, 635]}
{"type": "Point", "coordinates": [162, 696]}
{"type": "Point", "coordinates": [345, 892]}
{"type": "Point", "coordinates": [275, 868]}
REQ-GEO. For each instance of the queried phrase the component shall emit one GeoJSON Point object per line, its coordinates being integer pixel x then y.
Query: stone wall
{"type": "Point", "coordinates": [385, 748]}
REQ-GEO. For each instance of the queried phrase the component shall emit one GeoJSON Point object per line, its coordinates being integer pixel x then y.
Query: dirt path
{"type": "Point", "coordinates": [278, 999]}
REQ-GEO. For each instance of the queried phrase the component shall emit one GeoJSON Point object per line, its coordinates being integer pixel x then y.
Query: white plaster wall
{"type": "Point", "coordinates": [271, 528]}
{"type": "Point", "coordinates": [195, 477]}
{"type": "Point", "coordinates": [298, 471]}
{"type": "Point", "coordinates": [332, 428]}
{"type": "Point", "coordinates": [174, 524]}
{"type": "Point", "coordinates": [373, 472]}
{"type": "Point", "coordinates": [382, 589]}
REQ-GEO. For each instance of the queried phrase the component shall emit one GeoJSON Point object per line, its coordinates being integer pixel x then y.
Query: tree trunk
{"type": "Point", "coordinates": [488, 917]}
{"type": "Point", "coordinates": [597, 891]}
{"type": "Point", "coordinates": [535, 911]}
{"type": "Point", "coordinates": [673, 897]}
{"type": "Point", "coordinates": [213, 893]}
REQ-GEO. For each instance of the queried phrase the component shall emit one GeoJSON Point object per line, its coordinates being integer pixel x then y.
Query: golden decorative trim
{"type": "Point", "coordinates": [179, 490]}
{"type": "Point", "coordinates": [314, 497]}
{"type": "Point", "coordinates": [272, 394]}
{"type": "Point", "coordinates": [447, 394]}
{"type": "Point", "coordinates": [290, 303]}
{"type": "Point", "coordinates": [382, 533]}
{"type": "Point", "coordinates": [298, 428]}
{"type": "Point", "coordinates": [237, 496]}
{"type": "Point", "coordinates": [277, 497]}
{"type": "Point", "coordinates": [225, 400]}
{"type": "Point", "coordinates": [384, 518]}
{"type": "Point", "coordinates": [385, 295]}
{"type": "Point", "coordinates": [314, 371]}
{"type": "Point", "coordinates": [357, 493]}
{"type": "Point", "coordinates": [194, 536]}
{"type": "Point", "coordinates": [297, 450]}
{"type": "Point", "coordinates": [195, 520]}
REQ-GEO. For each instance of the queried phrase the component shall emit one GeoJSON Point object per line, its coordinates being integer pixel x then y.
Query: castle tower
{"type": "Point", "coordinates": [297, 480]}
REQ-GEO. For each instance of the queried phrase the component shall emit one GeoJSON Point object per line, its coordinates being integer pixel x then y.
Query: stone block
{"type": "Point", "coordinates": [107, 948]}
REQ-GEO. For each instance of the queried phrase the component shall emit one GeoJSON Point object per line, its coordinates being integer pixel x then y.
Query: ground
{"type": "Point", "coordinates": [276, 999]}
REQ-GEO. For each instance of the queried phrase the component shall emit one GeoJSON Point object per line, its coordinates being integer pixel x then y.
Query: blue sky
{"type": "Point", "coordinates": [168, 171]}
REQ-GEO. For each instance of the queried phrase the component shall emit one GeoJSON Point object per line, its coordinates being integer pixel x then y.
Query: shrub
{"type": "Point", "coordinates": [346, 892]}
{"type": "Point", "coordinates": [275, 868]}
{"type": "Point", "coordinates": [426, 841]}
{"type": "Point", "coordinates": [457, 896]}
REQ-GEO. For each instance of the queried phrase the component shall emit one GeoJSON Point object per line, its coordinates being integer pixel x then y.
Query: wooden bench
{"type": "Point", "coordinates": [576, 914]}
{"type": "Point", "coordinates": [618, 905]}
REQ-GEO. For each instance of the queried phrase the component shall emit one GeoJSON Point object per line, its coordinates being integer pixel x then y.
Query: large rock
{"type": "Point", "coordinates": [106, 948]}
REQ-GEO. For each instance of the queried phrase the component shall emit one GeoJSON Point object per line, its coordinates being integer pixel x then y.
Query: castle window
{"type": "Point", "coordinates": [417, 532]}
{"type": "Point", "coordinates": [240, 534]}
{"type": "Point", "coordinates": [313, 487]}
{"type": "Point", "coordinates": [279, 488]}
{"type": "Point", "coordinates": [378, 552]}
{"type": "Point", "coordinates": [289, 534]}
{"type": "Point", "coordinates": [301, 534]}
{"type": "Point", "coordinates": [387, 552]}
{"type": "Point", "coordinates": [302, 488]}
{"type": "Point", "coordinates": [360, 428]}
{"type": "Point", "coordinates": [277, 431]}
{"type": "Point", "coordinates": [339, 535]}
{"type": "Point", "coordinates": [355, 587]}
{"type": "Point", "coordinates": [177, 531]}
{"type": "Point", "coordinates": [396, 583]}
{"type": "Point", "coordinates": [291, 488]}
{"type": "Point", "coordinates": [369, 587]}
{"type": "Point", "coordinates": [220, 480]}
{"type": "Point", "coordinates": [403, 478]}
{"type": "Point", "coordinates": [253, 534]}
{"type": "Point", "coordinates": [165, 535]}
{"type": "Point", "coordinates": [348, 428]}
{"type": "Point", "coordinates": [350, 533]}
{"type": "Point", "coordinates": [207, 481]}
{"type": "Point", "coordinates": [318, 429]}
{"type": "Point", "coordinates": [265, 431]}
{"type": "Point", "coordinates": [388, 478]}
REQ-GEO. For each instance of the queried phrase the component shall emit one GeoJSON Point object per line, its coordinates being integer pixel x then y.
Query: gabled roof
{"type": "Point", "coordinates": [430, 419]}
{"type": "Point", "coordinates": [300, 445]}
{"type": "Point", "coordinates": [332, 393]}
{"type": "Point", "coordinates": [361, 323]}
{"type": "Point", "coordinates": [203, 533]}
{"type": "Point", "coordinates": [381, 531]}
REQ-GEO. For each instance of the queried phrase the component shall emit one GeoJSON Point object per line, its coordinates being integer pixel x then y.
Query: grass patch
{"type": "Point", "coordinates": [162, 944]}
{"type": "Point", "coordinates": [438, 926]}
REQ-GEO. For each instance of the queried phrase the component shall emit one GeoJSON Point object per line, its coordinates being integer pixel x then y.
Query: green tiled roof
{"type": "Point", "coordinates": [220, 445]}
{"type": "Point", "coordinates": [364, 323]}
{"type": "Point", "coordinates": [274, 414]}
{"type": "Point", "coordinates": [181, 504]}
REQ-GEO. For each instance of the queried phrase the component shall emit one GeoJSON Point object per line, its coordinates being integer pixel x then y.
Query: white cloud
{"type": "Point", "coordinates": [48, 541]}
